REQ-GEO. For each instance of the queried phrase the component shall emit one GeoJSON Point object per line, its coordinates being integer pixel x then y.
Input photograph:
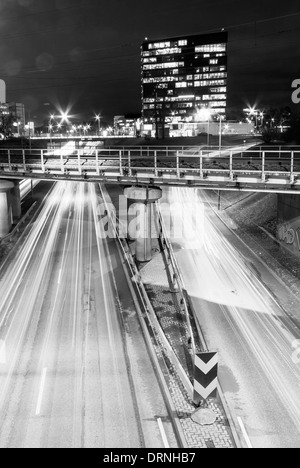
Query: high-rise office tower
{"type": "Point", "coordinates": [181, 75]}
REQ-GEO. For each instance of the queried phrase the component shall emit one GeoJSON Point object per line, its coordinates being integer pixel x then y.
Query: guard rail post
{"type": "Point", "coordinates": [9, 159]}
{"type": "Point", "coordinates": [263, 175]}
{"type": "Point", "coordinates": [97, 162]}
{"type": "Point", "coordinates": [42, 161]}
{"type": "Point", "coordinates": [129, 164]}
{"type": "Point", "coordinates": [79, 160]}
{"type": "Point", "coordinates": [201, 164]}
{"type": "Point", "coordinates": [24, 160]}
{"type": "Point", "coordinates": [155, 164]}
{"type": "Point", "coordinates": [292, 175]}
{"type": "Point", "coordinates": [121, 163]}
{"type": "Point", "coordinates": [231, 165]}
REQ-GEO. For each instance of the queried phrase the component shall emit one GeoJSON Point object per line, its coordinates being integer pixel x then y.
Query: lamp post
{"type": "Point", "coordinates": [51, 117]}
{"type": "Point", "coordinates": [98, 119]}
{"type": "Point", "coordinates": [253, 111]}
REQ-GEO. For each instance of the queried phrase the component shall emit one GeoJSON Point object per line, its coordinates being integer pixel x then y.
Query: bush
{"type": "Point", "coordinates": [269, 135]}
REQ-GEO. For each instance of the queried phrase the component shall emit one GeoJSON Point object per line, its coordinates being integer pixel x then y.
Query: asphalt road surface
{"type": "Point", "coordinates": [67, 377]}
{"type": "Point", "coordinates": [241, 320]}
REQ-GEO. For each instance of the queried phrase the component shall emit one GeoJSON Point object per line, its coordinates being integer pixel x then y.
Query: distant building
{"type": "Point", "coordinates": [180, 76]}
{"type": "Point", "coordinates": [18, 112]}
{"type": "Point", "coordinates": [127, 125]}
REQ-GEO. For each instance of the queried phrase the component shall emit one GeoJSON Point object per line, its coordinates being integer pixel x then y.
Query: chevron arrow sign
{"type": "Point", "coordinates": [205, 376]}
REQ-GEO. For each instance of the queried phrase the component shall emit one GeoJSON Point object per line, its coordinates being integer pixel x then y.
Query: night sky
{"type": "Point", "coordinates": [85, 54]}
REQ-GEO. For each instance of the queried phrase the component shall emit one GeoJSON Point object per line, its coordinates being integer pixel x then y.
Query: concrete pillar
{"type": "Point", "coordinates": [5, 207]}
{"type": "Point", "coordinates": [16, 201]}
{"type": "Point", "coordinates": [140, 219]}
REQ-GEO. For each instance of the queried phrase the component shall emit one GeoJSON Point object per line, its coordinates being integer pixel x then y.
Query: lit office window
{"type": "Point", "coordinates": [168, 51]}
{"type": "Point", "coordinates": [214, 61]}
{"type": "Point", "coordinates": [208, 76]}
{"type": "Point", "coordinates": [222, 89]}
{"type": "Point", "coordinates": [183, 84]}
{"type": "Point", "coordinates": [160, 79]}
{"type": "Point", "coordinates": [159, 45]}
{"type": "Point", "coordinates": [218, 104]}
{"type": "Point", "coordinates": [182, 42]}
{"type": "Point", "coordinates": [217, 69]}
{"type": "Point", "coordinates": [213, 97]}
{"type": "Point", "coordinates": [150, 60]}
{"type": "Point", "coordinates": [211, 48]}
{"type": "Point", "coordinates": [206, 55]}
{"type": "Point", "coordinates": [158, 66]}
{"type": "Point", "coordinates": [185, 105]}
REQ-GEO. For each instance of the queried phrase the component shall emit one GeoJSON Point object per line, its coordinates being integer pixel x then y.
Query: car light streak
{"type": "Point", "coordinates": [235, 301]}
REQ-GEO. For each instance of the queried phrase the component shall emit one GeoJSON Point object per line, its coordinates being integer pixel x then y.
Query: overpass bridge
{"type": "Point", "coordinates": [239, 168]}
{"type": "Point", "coordinates": [143, 171]}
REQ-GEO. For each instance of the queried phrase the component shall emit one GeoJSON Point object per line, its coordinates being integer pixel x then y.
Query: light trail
{"type": "Point", "coordinates": [64, 350]}
{"type": "Point", "coordinates": [240, 318]}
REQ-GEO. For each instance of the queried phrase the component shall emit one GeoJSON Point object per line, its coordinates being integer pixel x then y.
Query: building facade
{"type": "Point", "coordinates": [181, 76]}
{"type": "Point", "coordinates": [18, 111]}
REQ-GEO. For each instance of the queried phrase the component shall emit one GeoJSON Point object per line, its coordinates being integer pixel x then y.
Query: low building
{"type": "Point", "coordinates": [127, 125]}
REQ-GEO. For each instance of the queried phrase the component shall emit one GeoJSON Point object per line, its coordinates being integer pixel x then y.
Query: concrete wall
{"type": "Point", "coordinates": [288, 229]}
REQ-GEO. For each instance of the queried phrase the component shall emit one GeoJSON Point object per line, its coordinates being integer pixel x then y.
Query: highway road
{"type": "Point", "coordinates": [26, 186]}
{"type": "Point", "coordinates": [239, 319]}
{"type": "Point", "coordinates": [69, 374]}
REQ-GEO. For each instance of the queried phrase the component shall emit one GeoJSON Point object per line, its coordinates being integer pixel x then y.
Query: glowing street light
{"type": "Point", "coordinates": [98, 119]}
{"type": "Point", "coordinates": [64, 117]}
{"type": "Point", "coordinates": [253, 111]}
{"type": "Point", "coordinates": [17, 124]}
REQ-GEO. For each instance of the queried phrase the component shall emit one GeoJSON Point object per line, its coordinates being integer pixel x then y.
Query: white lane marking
{"type": "Point", "coordinates": [59, 277]}
{"type": "Point", "coordinates": [163, 434]}
{"type": "Point", "coordinates": [2, 352]}
{"type": "Point", "coordinates": [39, 403]}
{"type": "Point", "coordinates": [248, 442]}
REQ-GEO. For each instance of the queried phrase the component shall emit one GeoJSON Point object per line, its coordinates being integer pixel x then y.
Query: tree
{"type": "Point", "coordinates": [269, 135]}
{"type": "Point", "coordinates": [6, 125]}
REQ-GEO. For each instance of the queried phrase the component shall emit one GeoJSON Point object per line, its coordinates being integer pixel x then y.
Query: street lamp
{"type": "Point", "coordinates": [253, 111]}
{"type": "Point", "coordinates": [98, 119]}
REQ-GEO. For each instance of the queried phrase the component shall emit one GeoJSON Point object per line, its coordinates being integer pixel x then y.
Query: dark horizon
{"type": "Point", "coordinates": [85, 57]}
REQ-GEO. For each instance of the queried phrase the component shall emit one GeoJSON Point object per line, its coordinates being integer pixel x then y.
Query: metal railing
{"type": "Point", "coordinates": [163, 166]}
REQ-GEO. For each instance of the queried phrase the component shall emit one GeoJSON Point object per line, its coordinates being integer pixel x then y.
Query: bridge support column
{"type": "Point", "coordinates": [16, 201]}
{"type": "Point", "coordinates": [6, 218]}
{"type": "Point", "coordinates": [140, 219]}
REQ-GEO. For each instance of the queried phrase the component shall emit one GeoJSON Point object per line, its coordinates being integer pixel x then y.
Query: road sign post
{"type": "Point", "coordinates": [205, 377]}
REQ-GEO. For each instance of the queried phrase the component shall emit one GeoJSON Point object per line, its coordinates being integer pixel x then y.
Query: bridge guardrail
{"type": "Point", "coordinates": [182, 167]}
